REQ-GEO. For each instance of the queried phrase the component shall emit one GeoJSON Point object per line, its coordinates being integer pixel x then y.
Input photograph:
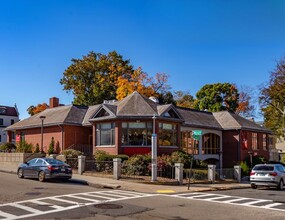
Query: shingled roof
{"type": "Point", "coordinates": [137, 106]}
{"type": "Point", "coordinates": [62, 115]}
{"type": "Point", "coordinates": [230, 121]}
{"type": "Point", "coordinates": [199, 119]}
{"type": "Point", "coordinates": [9, 111]}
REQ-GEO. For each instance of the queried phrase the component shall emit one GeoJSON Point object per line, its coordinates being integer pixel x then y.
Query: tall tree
{"type": "Point", "coordinates": [217, 97]}
{"type": "Point", "coordinates": [166, 98]}
{"type": "Point", "coordinates": [245, 107]}
{"type": "Point", "coordinates": [140, 81]}
{"type": "Point", "coordinates": [272, 100]}
{"type": "Point", "coordinates": [32, 110]}
{"type": "Point", "coordinates": [184, 99]}
{"type": "Point", "coordinates": [93, 78]}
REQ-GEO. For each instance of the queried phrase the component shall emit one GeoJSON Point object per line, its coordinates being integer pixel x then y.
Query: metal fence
{"type": "Point", "coordinates": [196, 175]}
{"type": "Point", "coordinates": [225, 174]}
{"type": "Point", "coordinates": [144, 172]}
{"type": "Point", "coordinates": [104, 167]}
{"type": "Point", "coordinates": [72, 161]}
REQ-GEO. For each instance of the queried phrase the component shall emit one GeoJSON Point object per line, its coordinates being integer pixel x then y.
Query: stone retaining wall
{"type": "Point", "coordinates": [9, 161]}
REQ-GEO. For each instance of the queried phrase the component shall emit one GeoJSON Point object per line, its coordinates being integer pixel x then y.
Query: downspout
{"type": "Point", "coordinates": [62, 144]}
{"type": "Point", "coordinates": [238, 146]}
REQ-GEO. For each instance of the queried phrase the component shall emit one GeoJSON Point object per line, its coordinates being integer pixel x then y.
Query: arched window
{"type": "Point", "coordinates": [210, 143]}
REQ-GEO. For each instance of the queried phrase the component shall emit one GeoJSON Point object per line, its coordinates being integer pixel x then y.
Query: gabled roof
{"type": "Point", "coordinates": [136, 105]}
{"type": "Point", "coordinates": [9, 111]}
{"type": "Point", "coordinates": [62, 115]}
{"type": "Point", "coordinates": [230, 121]}
{"type": "Point", "coordinates": [202, 119]}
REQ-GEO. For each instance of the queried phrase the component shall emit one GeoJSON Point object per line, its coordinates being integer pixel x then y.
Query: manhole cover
{"type": "Point", "coordinates": [108, 206]}
{"type": "Point", "coordinates": [33, 193]}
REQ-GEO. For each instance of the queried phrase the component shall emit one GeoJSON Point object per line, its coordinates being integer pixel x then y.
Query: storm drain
{"type": "Point", "coordinates": [108, 206]}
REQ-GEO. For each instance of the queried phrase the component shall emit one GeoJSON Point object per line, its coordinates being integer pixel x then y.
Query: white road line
{"type": "Point", "coordinates": [98, 196]}
{"type": "Point", "coordinates": [7, 215]}
{"type": "Point", "coordinates": [106, 195]}
{"type": "Point", "coordinates": [235, 200]}
{"type": "Point", "coordinates": [26, 208]}
{"type": "Point", "coordinates": [64, 200]}
{"type": "Point", "coordinates": [271, 205]}
{"type": "Point", "coordinates": [47, 204]}
{"type": "Point", "coordinates": [199, 196]}
{"type": "Point", "coordinates": [218, 197]}
{"type": "Point", "coordinates": [82, 198]}
{"type": "Point", "coordinates": [255, 202]}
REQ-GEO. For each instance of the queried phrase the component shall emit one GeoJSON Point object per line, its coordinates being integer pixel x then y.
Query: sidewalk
{"type": "Point", "coordinates": [101, 182]}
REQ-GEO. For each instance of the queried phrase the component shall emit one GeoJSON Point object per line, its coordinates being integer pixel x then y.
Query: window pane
{"type": "Point", "coordinates": [137, 125]}
{"type": "Point", "coordinates": [105, 138]}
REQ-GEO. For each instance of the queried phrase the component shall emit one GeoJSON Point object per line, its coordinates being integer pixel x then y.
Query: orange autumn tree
{"type": "Point", "coordinates": [32, 110]}
{"type": "Point", "coordinates": [140, 81]}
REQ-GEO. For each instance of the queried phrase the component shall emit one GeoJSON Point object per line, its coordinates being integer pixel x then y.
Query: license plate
{"type": "Point", "coordinates": [62, 169]}
{"type": "Point", "coordinates": [261, 174]}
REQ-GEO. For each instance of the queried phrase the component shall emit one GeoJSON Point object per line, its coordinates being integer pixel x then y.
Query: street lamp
{"type": "Point", "coordinates": [42, 133]}
{"type": "Point", "coordinates": [153, 152]}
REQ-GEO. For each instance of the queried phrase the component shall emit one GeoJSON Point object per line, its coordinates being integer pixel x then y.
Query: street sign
{"type": "Point", "coordinates": [197, 132]}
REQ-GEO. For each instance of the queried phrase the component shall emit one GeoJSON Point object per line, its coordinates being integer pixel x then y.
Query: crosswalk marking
{"type": "Point", "coordinates": [30, 206]}
{"type": "Point", "coordinates": [7, 215]}
{"type": "Point", "coordinates": [38, 202]}
{"type": "Point", "coordinates": [234, 200]}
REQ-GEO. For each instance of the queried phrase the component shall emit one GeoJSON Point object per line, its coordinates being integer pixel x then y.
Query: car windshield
{"type": "Point", "coordinates": [53, 161]}
{"type": "Point", "coordinates": [267, 168]}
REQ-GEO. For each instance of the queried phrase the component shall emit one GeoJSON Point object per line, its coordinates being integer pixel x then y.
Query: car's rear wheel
{"type": "Point", "coordinates": [281, 185]}
{"type": "Point", "coordinates": [20, 173]}
{"type": "Point", "coordinates": [42, 176]}
{"type": "Point", "coordinates": [253, 186]}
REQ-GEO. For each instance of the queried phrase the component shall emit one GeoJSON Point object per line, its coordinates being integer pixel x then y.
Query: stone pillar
{"type": "Point", "coordinates": [117, 168]}
{"type": "Point", "coordinates": [237, 173]}
{"type": "Point", "coordinates": [211, 173]}
{"type": "Point", "coordinates": [179, 172]}
{"type": "Point", "coordinates": [81, 164]}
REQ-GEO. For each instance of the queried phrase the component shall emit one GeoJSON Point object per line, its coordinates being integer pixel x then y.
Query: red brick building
{"type": "Point", "coordinates": [126, 127]}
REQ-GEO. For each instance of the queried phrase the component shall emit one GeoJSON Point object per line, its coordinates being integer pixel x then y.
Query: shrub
{"type": "Point", "coordinates": [137, 165]}
{"type": "Point", "coordinates": [24, 147]}
{"type": "Point", "coordinates": [70, 153]}
{"type": "Point", "coordinates": [51, 146]}
{"type": "Point", "coordinates": [37, 148]}
{"type": "Point", "coordinates": [71, 157]}
{"type": "Point", "coordinates": [101, 155]}
{"type": "Point", "coordinates": [244, 168]}
{"type": "Point", "coordinates": [180, 157]}
{"type": "Point", "coordinates": [8, 147]}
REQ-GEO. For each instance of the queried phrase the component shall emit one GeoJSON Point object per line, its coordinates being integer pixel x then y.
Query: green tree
{"type": "Point", "coordinates": [272, 100]}
{"type": "Point", "coordinates": [217, 97]}
{"type": "Point", "coordinates": [166, 98]}
{"type": "Point", "coordinates": [51, 146]}
{"type": "Point", "coordinates": [93, 78]}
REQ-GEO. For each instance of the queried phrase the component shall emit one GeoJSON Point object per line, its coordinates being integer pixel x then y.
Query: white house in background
{"type": "Point", "coordinates": [8, 116]}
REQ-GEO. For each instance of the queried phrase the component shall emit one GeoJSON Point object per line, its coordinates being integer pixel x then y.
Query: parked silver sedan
{"type": "Point", "coordinates": [267, 175]}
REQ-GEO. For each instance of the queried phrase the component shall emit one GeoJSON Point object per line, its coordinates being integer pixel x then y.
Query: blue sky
{"type": "Point", "coordinates": [195, 42]}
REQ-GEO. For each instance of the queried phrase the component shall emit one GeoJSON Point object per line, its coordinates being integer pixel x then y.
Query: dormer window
{"type": "Point", "coordinates": [3, 111]}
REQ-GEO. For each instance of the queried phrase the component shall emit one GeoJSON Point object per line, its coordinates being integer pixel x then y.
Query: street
{"type": "Point", "coordinates": [31, 199]}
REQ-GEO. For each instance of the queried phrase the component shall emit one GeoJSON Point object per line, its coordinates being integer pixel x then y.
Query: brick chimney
{"type": "Point", "coordinates": [53, 102]}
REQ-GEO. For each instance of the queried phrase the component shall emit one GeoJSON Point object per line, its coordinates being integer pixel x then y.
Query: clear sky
{"type": "Point", "coordinates": [196, 42]}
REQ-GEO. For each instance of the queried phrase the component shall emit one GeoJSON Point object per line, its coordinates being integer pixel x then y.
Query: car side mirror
{"type": "Point", "coordinates": [27, 163]}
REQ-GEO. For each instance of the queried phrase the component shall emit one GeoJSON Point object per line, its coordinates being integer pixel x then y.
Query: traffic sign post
{"type": "Point", "coordinates": [196, 134]}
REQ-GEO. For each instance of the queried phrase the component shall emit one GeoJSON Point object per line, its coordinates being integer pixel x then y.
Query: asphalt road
{"type": "Point", "coordinates": [30, 199]}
